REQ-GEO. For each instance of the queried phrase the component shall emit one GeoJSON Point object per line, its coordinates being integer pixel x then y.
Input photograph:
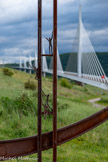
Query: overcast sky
{"type": "Point", "coordinates": [18, 25]}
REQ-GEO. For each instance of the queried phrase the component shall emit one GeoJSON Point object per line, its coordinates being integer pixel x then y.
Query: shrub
{"type": "Point", "coordinates": [30, 85]}
{"type": "Point", "coordinates": [7, 104]}
{"type": "Point", "coordinates": [1, 110]}
{"type": "Point", "coordinates": [23, 104]}
{"type": "Point", "coordinates": [7, 72]}
{"type": "Point", "coordinates": [65, 83]}
{"type": "Point", "coordinates": [85, 89]}
{"type": "Point", "coordinates": [62, 106]}
{"type": "Point", "coordinates": [35, 94]}
{"type": "Point", "coordinates": [104, 99]}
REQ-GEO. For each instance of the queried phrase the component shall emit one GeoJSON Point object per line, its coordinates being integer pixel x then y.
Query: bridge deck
{"type": "Point", "coordinates": [93, 80]}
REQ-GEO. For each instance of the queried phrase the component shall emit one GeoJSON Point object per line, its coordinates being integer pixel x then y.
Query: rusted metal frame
{"type": "Point", "coordinates": [28, 145]}
{"type": "Point", "coordinates": [36, 144]}
{"type": "Point", "coordinates": [47, 55]}
{"type": "Point", "coordinates": [39, 138]}
{"type": "Point", "coordinates": [54, 80]}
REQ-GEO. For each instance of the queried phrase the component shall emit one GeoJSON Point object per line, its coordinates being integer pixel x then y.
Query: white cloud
{"type": "Point", "coordinates": [17, 10]}
{"type": "Point", "coordinates": [11, 51]}
{"type": "Point", "coordinates": [66, 1]}
{"type": "Point", "coordinates": [11, 10]}
{"type": "Point", "coordinates": [20, 37]}
{"type": "Point", "coordinates": [13, 54]}
{"type": "Point", "coordinates": [99, 33]}
{"type": "Point", "coordinates": [3, 39]}
{"type": "Point", "coordinates": [16, 51]}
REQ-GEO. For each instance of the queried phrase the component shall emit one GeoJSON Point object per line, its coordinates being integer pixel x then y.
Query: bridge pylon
{"type": "Point", "coordinates": [79, 57]}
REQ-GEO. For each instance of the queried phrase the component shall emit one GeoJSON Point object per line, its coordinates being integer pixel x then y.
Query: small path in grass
{"type": "Point", "coordinates": [93, 101]}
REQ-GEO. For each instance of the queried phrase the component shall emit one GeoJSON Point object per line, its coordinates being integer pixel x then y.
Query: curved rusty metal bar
{"type": "Point", "coordinates": [28, 145]}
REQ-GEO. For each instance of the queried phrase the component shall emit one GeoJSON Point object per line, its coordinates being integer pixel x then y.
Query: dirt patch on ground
{"type": "Point", "coordinates": [93, 101]}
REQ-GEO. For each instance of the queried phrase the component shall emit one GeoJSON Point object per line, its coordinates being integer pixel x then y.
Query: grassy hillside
{"type": "Point", "coordinates": [18, 116]}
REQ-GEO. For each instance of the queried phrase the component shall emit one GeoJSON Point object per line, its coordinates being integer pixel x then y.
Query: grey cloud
{"type": "Point", "coordinates": [20, 32]}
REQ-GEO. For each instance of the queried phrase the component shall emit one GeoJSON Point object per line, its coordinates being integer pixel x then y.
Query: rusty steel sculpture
{"type": "Point", "coordinates": [47, 109]}
{"type": "Point", "coordinates": [37, 144]}
{"type": "Point", "coordinates": [50, 43]}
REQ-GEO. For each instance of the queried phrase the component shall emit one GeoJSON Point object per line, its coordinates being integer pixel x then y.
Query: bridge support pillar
{"type": "Point", "coordinates": [79, 45]}
{"type": "Point", "coordinates": [30, 71]}
{"type": "Point", "coordinates": [44, 74]}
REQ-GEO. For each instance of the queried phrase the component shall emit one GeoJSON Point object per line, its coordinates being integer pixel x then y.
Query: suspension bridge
{"type": "Point", "coordinates": [83, 64]}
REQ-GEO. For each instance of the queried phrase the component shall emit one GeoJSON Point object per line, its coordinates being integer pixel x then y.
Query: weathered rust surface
{"type": "Point", "coordinates": [54, 80]}
{"type": "Point", "coordinates": [27, 146]}
{"type": "Point", "coordinates": [39, 141]}
{"type": "Point", "coordinates": [47, 55]}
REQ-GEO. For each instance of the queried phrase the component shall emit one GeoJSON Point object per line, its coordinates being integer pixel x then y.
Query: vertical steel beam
{"type": "Point", "coordinates": [39, 141]}
{"type": "Point", "coordinates": [54, 80]}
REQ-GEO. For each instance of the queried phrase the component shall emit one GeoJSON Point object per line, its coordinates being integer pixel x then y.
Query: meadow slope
{"type": "Point", "coordinates": [18, 116]}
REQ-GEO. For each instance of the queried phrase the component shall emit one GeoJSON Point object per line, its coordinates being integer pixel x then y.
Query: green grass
{"type": "Point", "coordinates": [72, 106]}
{"type": "Point", "coordinates": [104, 100]}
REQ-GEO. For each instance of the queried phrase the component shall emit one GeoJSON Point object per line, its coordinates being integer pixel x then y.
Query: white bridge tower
{"type": "Point", "coordinates": [79, 57]}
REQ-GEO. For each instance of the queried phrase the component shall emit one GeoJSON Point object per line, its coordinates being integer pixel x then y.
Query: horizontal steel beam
{"type": "Point", "coordinates": [28, 145]}
{"type": "Point", "coordinates": [47, 55]}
